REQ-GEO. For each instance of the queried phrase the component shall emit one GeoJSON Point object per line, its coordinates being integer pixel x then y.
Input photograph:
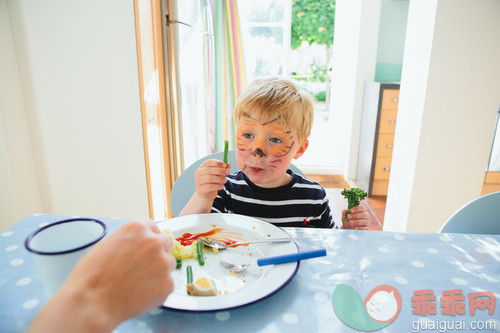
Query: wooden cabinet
{"type": "Point", "coordinates": [380, 107]}
{"type": "Point", "coordinates": [378, 125]}
{"type": "Point", "coordinates": [491, 182]}
{"type": "Point", "coordinates": [386, 127]}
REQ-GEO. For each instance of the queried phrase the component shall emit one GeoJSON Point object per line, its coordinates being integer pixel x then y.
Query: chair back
{"type": "Point", "coordinates": [184, 186]}
{"type": "Point", "coordinates": [480, 216]}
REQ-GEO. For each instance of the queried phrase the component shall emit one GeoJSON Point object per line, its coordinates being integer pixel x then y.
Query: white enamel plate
{"type": "Point", "coordinates": [234, 289]}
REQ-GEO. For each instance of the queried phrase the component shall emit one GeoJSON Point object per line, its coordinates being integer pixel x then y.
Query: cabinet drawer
{"type": "Point", "coordinates": [492, 178]}
{"type": "Point", "coordinates": [387, 121]}
{"type": "Point", "coordinates": [380, 187]}
{"type": "Point", "coordinates": [384, 145]}
{"type": "Point", "coordinates": [390, 99]}
{"type": "Point", "coordinates": [491, 183]}
{"type": "Point", "coordinates": [382, 168]}
{"type": "Point", "coordinates": [490, 188]}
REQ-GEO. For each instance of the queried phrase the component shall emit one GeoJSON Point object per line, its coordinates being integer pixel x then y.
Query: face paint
{"type": "Point", "coordinates": [259, 152]}
{"type": "Point", "coordinates": [263, 139]}
{"type": "Point", "coordinates": [265, 149]}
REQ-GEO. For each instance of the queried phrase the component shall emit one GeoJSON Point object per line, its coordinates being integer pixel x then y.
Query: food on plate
{"type": "Point", "coordinates": [189, 274]}
{"type": "Point", "coordinates": [188, 238]}
{"type": "Point", "coordinates": [202, 287]}
{"type": "Point", "coordinates": [186, 246]}
{"type": "Point", "coordinates": [182, 252]}
{"type": "Point", "coordinates": [354, 197]}
{"type": "Point", "coordinates": [226, 150]}
{"type": "Point", "coordinates": [199, 253]}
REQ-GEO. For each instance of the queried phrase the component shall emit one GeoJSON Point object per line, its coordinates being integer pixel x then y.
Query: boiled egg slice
{"type": "Point", "coordinates": [202, 287]}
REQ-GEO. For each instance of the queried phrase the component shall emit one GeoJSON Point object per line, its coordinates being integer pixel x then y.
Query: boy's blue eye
{"type": "Point", "coordinates": [275, 140]}
{"type": "Point", "coordinates": [247, 136]}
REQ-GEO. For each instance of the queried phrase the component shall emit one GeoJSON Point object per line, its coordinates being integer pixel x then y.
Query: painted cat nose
{"type": "Point", "coordinates": [259, 152]}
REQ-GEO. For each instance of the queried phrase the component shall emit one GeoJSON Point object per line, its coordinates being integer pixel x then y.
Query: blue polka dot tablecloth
{"type": "Point", "coordinates": [369, 281]}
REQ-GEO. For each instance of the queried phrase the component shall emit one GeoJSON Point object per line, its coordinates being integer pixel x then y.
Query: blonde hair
{"type": "Point", "coordinates": [280, 98]}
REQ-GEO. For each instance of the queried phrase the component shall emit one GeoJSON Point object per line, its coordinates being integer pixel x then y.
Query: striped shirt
{"type": "Point", "coordinates": [300, 203]}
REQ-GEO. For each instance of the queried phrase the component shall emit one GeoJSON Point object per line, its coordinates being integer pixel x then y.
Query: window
{"type": "Point", "coordinates": [266, 36]}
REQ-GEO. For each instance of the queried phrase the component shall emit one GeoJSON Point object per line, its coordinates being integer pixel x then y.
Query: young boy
{"type": "Point", "coordinates": [273, 120]}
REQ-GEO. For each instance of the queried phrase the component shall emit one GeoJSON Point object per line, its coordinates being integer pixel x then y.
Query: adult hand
{"type": "Point", "coordinates": [123, 276]}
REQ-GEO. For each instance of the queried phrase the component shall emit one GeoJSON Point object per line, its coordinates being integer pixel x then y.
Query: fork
{"type": "Point", "coordinates": [276, 260]}
{"type": "Point", "coordinates": [211, 242]}
{"type": "Point", "coordinates": [234, 267]}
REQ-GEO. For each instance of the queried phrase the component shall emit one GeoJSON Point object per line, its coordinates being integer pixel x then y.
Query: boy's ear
{"type": "Point", "coordinates": [302, 149]}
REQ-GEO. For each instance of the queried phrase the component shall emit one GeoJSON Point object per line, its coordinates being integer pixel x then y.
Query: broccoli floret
{"type": "Point", "coordinates": [354, 197]}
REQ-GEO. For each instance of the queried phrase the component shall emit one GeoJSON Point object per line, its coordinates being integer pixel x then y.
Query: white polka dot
{"type": "Point", "coordinates": [16, 262]}
{"type": "Point", "coordinates": [490, 240]}
{"type": "Point", "coordinates": [418, 264]}
{"type": "Point", "coordinates": [383, 249]}
{"type": "Point", "coordinates": [320, 296]}
{"type": "Point", "coordinates": [334, 246]}
{"type": "Point", "coordinates": [36, 214]}
{"type": "Point", "coordinates": [459, 281]}
{"type": "Point", "coordinates": [30, 304]}
{"type": "Point", "coordinates": [364, 263]}
{"type": "Point", "coordinates": [399, 237]}
{"type": "Point", "coordinates": [75, 216]}
{"type": "Point", "coordinates": [472, 266]}
{"type": "Point", "coordinates": [432, 251]}
{"type": "Point", "coordinates": [23, 282]}
{"type": "Point", "coordinates": [445, 238]}
{"type": "Point", "coordinates": [480, 250]}
{"type": "Point", "coordinates": [401, 280]}
{"type": "Point", "coordinates": [290, 318]}
{"type": "Point", "coordinates": [343, 276]}
{"type": "Point", "coordinates": [156, 311]}
{"type": "Point", "coordinates": [222, 315]}
{"type": "Point", "coordinates": [353, 237]}
{"type": "Point", "coordinates": [11, 248]}
{"type": "Point", "coordinates": [43, 224]}
{"type": "Point", "coordinates": [7, 233]}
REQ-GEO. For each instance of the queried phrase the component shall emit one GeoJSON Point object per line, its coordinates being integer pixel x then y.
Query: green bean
{"type": "Point", "coordinates": [179, 263]}
{"type": "Point", "coordinates": [199, 251]}
{"type": "Point", "coordinates": [189, 271]}
{"type": "Point", "coordinates": [226, 149]}
{"type": "Point", "coordinates": [189, 274]}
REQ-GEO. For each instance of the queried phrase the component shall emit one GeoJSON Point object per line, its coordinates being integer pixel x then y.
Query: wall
{"type": "Point", "coordinates": [391, 40]}
{"type": "Point", "coordinates": [19, 191]}
{"type": "Point", "coordinates": [70, 129]}
{"type": "Point", "coordinates": [369, 45]}
{"type": "Point", "coordinates": [354, 58]}
{"type": "Point", "coordinates": [449, 96]}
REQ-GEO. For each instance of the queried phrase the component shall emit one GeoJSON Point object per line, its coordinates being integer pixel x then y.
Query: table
{"type": "Point", "coordinates": [413, 263]}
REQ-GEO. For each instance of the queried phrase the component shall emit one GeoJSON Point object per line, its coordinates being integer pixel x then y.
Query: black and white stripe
{"type": "Point", "coordinates": [286, 206]}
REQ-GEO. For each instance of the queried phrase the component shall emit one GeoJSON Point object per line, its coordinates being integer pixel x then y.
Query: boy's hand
{"type": "Point", "coordinates": [358, 219]}
{"type": "Point", "coordinates": [210, 178]}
